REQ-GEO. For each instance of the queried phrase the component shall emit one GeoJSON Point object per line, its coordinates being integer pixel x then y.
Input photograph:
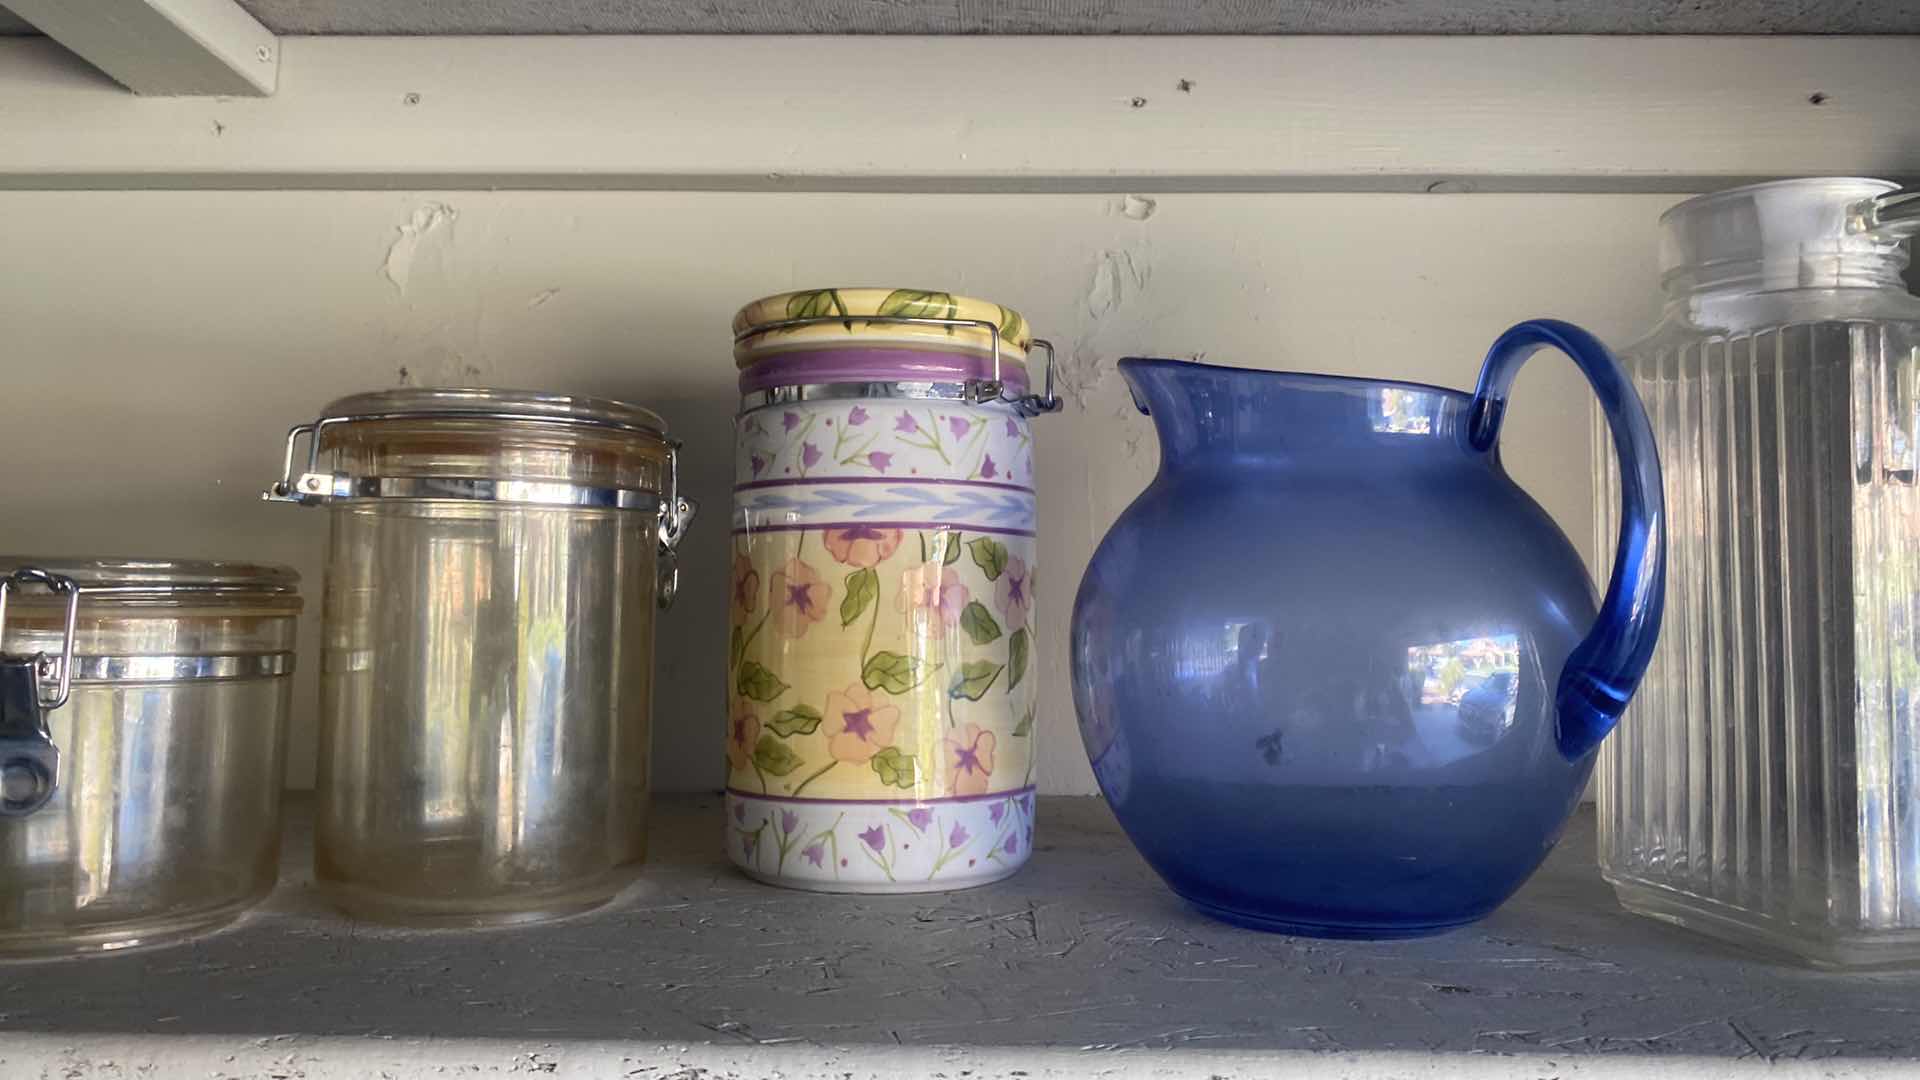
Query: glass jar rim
{"type": "Point", "coordinates": [428, 403]}
{"type": "Point", "coordinates": [1856, 187]}
{"type": "Point", "coordinates": [133, 580]}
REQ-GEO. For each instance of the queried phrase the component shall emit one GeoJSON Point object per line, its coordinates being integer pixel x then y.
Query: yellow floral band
{"type": "Point", "coordinates": [881, 662]}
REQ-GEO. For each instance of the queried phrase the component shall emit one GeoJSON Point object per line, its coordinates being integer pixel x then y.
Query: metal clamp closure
{"type": "Point", "coordinates": [312, 487]}
{"type": "Point", "coordinates": [326, 487]}
{"type": "Point", "coordinates": [976, 391]}
{"type": "Point", "coordinates": [29, 761]}
{"type": "Point", "coordinates": [676, 513]}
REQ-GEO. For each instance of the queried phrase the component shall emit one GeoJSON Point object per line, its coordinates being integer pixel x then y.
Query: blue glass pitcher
{"type": "Point", "coordinates": [1338, 674]}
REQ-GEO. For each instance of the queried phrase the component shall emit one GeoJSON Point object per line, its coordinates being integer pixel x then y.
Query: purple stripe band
{"type": "Point", "coordinates": [1014, 794]}
{"type": "Point", "coordinates": [873, 363]}
{"type": "Point", "coordinates": [752, 484]}
{"type": "Point", "coordinates": [820, 526]}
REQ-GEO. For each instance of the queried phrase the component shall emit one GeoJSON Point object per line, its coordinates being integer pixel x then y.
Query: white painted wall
{"type": "Point", "coordinates": [154, 346]}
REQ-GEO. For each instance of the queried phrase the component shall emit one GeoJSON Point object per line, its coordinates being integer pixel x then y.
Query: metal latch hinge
{"type": "Point", "coordinates": [31, 687]}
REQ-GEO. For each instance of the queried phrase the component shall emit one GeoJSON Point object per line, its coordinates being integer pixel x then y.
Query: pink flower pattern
{"type": "Point", "coordinates": [932, 597]}
{"type": "Point", "coordinates": [856, 727]}
{"type": "Point", "coordinates": [1014, 591]}
{"type": "Point", "coordinates": [969, 760]}
{"type": "Point", "coordinates": [746, 586]}
{"type": "Point", "coordinates": [861, 545]}
{"type": "Point", "coordinates": [800, 598]}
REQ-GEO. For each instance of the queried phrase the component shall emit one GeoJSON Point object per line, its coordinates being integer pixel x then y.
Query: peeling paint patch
{"type": "Point", "coordinates": [430, 221]}
{"type": "Point", "coordinates": [1115, 277]}
{"type": "Point", "coordinates": [1138, 207]}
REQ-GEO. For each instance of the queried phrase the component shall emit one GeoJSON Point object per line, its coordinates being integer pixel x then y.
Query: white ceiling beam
{"type": "Point", "coordinates": [164, 48]}
{"type": "Point", "coordinates": [1439, 114]}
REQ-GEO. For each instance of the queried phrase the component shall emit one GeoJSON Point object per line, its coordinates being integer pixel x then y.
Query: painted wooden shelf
{"type": "Point", "coordinates": [974, 114]}
{"type": "Point", "coordinates": [1081, 965]}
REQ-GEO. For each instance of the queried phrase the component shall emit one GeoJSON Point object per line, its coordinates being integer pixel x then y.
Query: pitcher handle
{"type": "Point", "coordinates": [1604, 668]}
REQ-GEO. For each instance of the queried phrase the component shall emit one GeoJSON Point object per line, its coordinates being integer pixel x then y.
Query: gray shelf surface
{"type": "Point", "coordinates": [1082, 964]}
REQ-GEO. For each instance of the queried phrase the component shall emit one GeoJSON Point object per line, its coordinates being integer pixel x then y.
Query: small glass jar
{"type": "Point", "coordinates": [881, 726]}
{"type": "Point", "coordinates": [143, 718]}
{"type": "Point", "coordinates": [495, 561]}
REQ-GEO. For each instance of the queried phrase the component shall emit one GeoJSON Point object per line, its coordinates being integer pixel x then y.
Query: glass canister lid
{"type": "Point", "coordinates": [817, 337]}
{"type": "Point", "coordinates": [147, 581]}
{"type": "Point", "coordinates": [46, 646]}
{"type": "Point", "coordinates": [1784, 222]}
{"type": "Point", "coordinates": [484, 404]}
{"type": "Point", "coordinates": [481, 444]}
{"type": "Point", "coordinates": [508, 448]}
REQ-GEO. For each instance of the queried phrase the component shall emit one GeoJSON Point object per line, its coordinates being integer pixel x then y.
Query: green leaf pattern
{"type": "Point", "coordinates": [990, 556]}
{"type": "Point", "coordinates": [975, 679]}
{"type": "Point", "coordinates": [890, 671]}
{"type": "Point", "coordinates": [799, 720]}
{"type": "Point", "coordinates": [863, 588]}
{"type": "Point", "coordinates": [758, 683]}
{"type": "Point", "coordinates": [979, 624]}
{"type": "Point", "coordinates": [917, 304]}
{"type": "Point", "coordinates": [775, 758]}
{"type": "Point", "coordinates": [895, 768]}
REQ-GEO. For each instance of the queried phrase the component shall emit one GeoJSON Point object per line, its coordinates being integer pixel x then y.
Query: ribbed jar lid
{"type": "Point", "coordinates": [1782, 220]}
{"type": "Point", "coordinates": [482, 403]}
{"type": "Point", "coordinates": [838, 335]}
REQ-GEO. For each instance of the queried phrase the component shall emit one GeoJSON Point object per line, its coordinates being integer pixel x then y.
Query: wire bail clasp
{"type": "Point", "coordinates": [676, 513]}
{"type": "Point", "coordinates": [31, 687]}
{"type": "Point", "coordinates": [977, 391]}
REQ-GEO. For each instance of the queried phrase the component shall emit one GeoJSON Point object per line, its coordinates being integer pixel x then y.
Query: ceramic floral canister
{"type": "Point", "coordinates": [880, 728]}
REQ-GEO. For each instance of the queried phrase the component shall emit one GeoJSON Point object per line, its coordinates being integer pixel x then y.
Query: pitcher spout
{"type": "Point", "coordinates": [1205, 412]}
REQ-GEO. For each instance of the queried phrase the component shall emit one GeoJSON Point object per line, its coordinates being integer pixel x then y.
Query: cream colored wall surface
{"type": "Point", "coordinates": [155, 346]}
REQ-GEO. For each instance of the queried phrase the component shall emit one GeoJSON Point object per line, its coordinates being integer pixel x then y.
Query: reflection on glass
{"type": "Point", "coordinates": [1400, 411]}
{"type": "Point", "coordinates": [1472, 682]}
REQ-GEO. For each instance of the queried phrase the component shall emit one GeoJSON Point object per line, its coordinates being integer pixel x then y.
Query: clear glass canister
{"type": "Point", "coordinates": [495, 561]}
{"type": "Point", "coordinates": [1765, 784]}
{"type": "Point", "coordinates": [880, 733]}
{"type": "Point", "coordinates": [143, 718]}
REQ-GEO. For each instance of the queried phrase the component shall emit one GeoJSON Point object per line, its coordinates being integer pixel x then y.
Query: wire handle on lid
{"type": "Point", "coordinates": [313, 487]}
{"type": "Point", "coordinates": [979, 391]}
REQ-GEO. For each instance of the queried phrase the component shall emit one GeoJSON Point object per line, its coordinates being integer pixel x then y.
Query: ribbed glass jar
{"type": "Point", "coordinates": [1765, 784]}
